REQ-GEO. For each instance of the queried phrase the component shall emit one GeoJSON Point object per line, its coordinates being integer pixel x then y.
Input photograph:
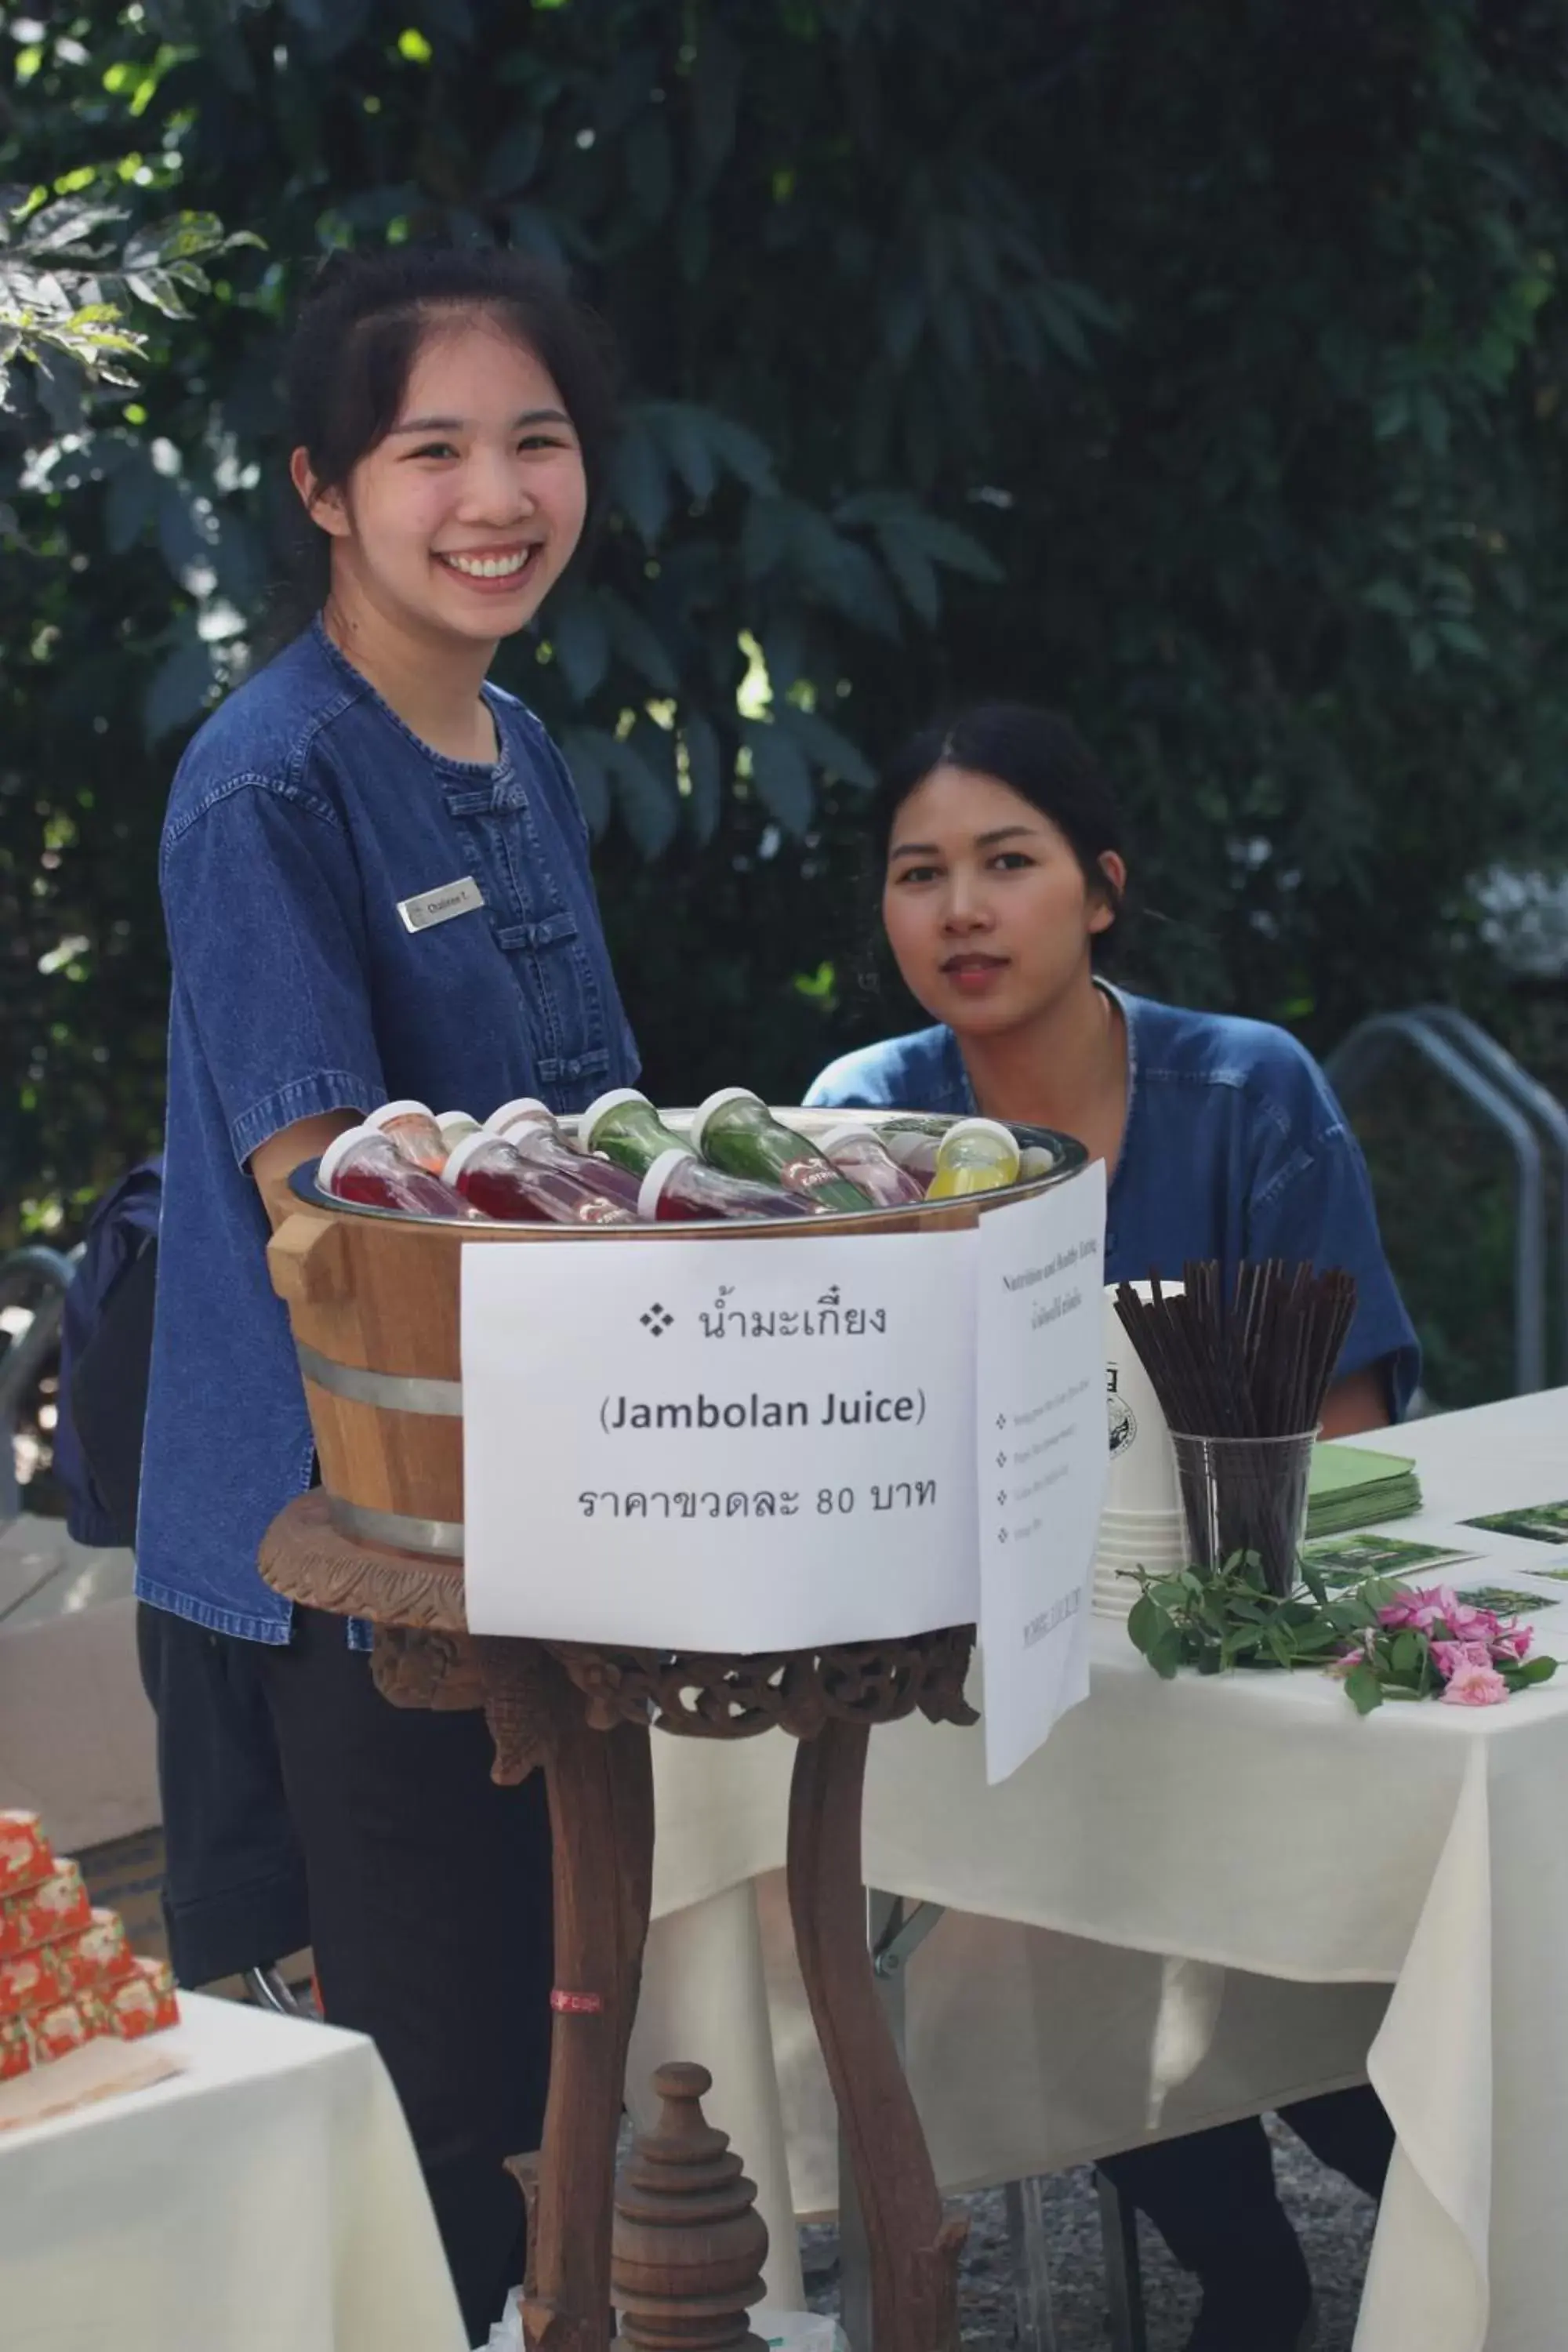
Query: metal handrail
{"type": "Point", "coordinates": [23, 1272]}
{"type": "Point", "coordinates": [1536, 1101]}
{"type": "Point", "coordinates": [1447, 1046]}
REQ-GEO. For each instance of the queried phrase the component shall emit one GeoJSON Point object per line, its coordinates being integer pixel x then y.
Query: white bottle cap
{"type": "Point", "coordinates": [991, 1129]}
{"type": "Point", "coordinates": [521, 1107]}
{"type": "Point", "coordinates": [380, 1119]}
{"type": "Point", "coordinates": [454, 1117]}
{"type": "Point", "coordinates": [852, 1132]}
{"type": "Point", "coordinates": [587, 1120]}
{"type": "Point", "coordinates": [704, 1111]}
{"type": "Point", "coordinates": [653, 1184]}
{"type": "Point", "coordinates": [461, 1153]}
{"type": "Point", "coordinates": [332, 1158]}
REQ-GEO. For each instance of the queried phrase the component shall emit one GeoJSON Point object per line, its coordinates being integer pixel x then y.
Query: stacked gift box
{"type": "Point", "coordinates": [67, 1973]}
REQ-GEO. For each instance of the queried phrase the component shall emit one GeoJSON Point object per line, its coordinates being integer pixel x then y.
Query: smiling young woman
{"type": "Point", "coordinates": [449, 420]}
{"type": "Point", "coordinates": [1002, 868]}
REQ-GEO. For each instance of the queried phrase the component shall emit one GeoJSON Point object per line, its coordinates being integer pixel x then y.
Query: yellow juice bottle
{"type": "Point", "coordinates": [977, 1155]}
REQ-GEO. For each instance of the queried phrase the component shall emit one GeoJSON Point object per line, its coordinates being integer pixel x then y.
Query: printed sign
{"type": "Point", "coordinates": [1042, 1457]}
{"type": "Point", "coordinates": [734, 1445]}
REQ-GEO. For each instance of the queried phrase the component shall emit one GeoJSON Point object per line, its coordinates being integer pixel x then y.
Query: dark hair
{"type": "Point", "coordinates": [1036, 755]}
{"type": "Point", "coordinates": [358, 332]}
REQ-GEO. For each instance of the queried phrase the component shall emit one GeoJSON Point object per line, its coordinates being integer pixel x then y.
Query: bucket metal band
{"type": "Point", "coordinates": [396, 1529]}
{"type": "Point", "coordinates": [392, 1391]}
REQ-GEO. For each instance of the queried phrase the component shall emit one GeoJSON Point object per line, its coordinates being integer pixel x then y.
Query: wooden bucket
{"type": "Point", "coordinates": [374, 1302]}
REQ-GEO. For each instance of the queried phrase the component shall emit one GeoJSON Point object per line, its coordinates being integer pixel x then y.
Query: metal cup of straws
{"type": "Point", "coordinates": [1247, 1494]}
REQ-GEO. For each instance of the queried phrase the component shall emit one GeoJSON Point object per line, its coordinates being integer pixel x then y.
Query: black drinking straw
{"type": "Point", "coordinates": [1256, 1364]}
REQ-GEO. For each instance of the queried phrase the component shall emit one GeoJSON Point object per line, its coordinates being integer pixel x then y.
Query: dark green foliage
{"type": "Point", "coordinates": [1197, 369]}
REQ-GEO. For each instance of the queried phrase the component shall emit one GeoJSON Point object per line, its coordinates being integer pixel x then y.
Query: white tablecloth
{"type": "Point", "coordinates": [1255, 1823]}
{"type": "Point", "coordinates": [267, 2200]}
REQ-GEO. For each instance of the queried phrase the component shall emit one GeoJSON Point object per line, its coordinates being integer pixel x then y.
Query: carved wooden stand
{"type": "Point", "coordinates": [583, 1716]}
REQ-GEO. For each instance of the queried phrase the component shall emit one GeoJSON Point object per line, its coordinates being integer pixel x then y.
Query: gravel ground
{"type": "Point", "coordinates": [1333, 2220]}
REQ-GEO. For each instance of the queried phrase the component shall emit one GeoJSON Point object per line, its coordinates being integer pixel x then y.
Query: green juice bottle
{"type": "Point", "coordinates": [735, 1130]}
{"type": "Point", "coordinates": [625, 1125]}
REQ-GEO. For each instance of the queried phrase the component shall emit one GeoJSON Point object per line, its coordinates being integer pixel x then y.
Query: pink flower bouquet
{"type": "Point", "coordinates": [1433, 1645]}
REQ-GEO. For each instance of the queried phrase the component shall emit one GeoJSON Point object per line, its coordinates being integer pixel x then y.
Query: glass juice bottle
{"type": "Point", "coordinates": [520, 1187]}
{"type": "Point", "coordinates": [678, 1186]}
{"type": "Point", "coordinates": [856, 1153]}
{"type": "Point", "coordinates": [975, 1155]}
{"type": "Point", "coordinates": [735, 1130]}
{"type": "Point", "coordinates": [365, 1166]}
{"type": "Point", "coordinates": [625, 1125]}
{"type": "Point", "coordinates": [410, 1128]}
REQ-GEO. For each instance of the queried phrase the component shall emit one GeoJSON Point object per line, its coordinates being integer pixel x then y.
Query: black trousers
{"type": "Point", "coordinates": [1212, 2196]}
{"type": "Point", "coordinates": [234, 1877]}
{"type": "Point", "coordinates": [430, 1921]}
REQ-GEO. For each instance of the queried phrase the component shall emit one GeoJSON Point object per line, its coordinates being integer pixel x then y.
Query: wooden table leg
{"type": "Point", "coordinates": [601, 1815]}
{"type": "Point", "coordinates": [914, 2251]}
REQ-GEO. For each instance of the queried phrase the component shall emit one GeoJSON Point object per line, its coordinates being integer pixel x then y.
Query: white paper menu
{"type": "Point", "coordinates": [1040, 1445]}
{"type": "Point", "coordinates": [721, 1445]}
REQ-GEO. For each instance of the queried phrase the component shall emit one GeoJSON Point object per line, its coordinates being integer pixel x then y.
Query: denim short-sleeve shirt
{"type": "Point", "coordinates": [302, 815]}
{"type": "Point", "coordinates": [1234, 1147]}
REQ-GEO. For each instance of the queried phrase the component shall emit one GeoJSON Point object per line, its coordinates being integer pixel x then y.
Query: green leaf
{"type": "Point", "coordinates": [649, 166]}
{"type": "Point", "coordinates": [1363, 1689]}
{"type": "Point", "coordinates": [706, 770]}
{"type": "Point", "coordinates": [782, 776]}
{"type": "Point", "coordinates": [824, 744]}
{"type": "Point", "coordinates": [582, 643]}
{"type": "Point", "coordinates": [179, 689]}
{"type": "Point", "coordinates": [685, 438]}
{"type": "Point", "coordinates": [639, 482]}
{"type": "Point", "coordinates": [587, 751]}
{"type": "Point", "coordinates": [1143, 1621]}
{"type": "Point", "coordinates": [715, 98]}
{"type": "Point", "coordinates": [638, 643]}
{"type": "Point", "coordinates": [1407, 1651]}
{"type": "Point", "coordinates": [514, 159]}
{"type": "Point", "coordinates": [642, 772]}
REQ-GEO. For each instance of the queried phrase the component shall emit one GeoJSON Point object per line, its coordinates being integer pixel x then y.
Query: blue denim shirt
{"type": "Point", "coordinates": [1234, 1147]}
{"type": "Point", "coordinates": [302, 813]}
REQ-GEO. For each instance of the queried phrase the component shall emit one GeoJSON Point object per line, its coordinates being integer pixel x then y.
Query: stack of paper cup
{"type": "Point", "coordinates": [1140, 1523]}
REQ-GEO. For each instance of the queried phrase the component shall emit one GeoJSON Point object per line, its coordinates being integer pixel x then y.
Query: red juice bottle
{"type": "Point", "coordinates": [410, 1128]}
{"type": "Point", "coordinates": [365, 1166]}
{"type": "Point", "coordinates": [679, 1187]}
{"type": "Point", "coordinates": [522, 1188]}
{"type": "Point", "coordinates": [856, 1153]}
{"type": "Point", "coordinates": [531, 1129]}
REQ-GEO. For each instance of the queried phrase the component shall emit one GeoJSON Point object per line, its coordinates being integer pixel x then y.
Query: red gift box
{"type": "Point", "coordinates": [16, 2048]}
{"type": "Point", "coordinates": [92, 1960]}
{"type": "Point", "coordinates": [57, 1907]}
{"type": "Point", "coordinates": [24, 1856]}
{"type": "Point", "coordinates": [29, 1979]}
{"type": "Point", "coordinates": [144, 2003]}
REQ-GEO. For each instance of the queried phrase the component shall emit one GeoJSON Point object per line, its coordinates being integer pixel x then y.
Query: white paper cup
{"type": "Point", "coordinates": [1143, 1465]}
{"type": "Point", "coordinates": [1112, 1596]}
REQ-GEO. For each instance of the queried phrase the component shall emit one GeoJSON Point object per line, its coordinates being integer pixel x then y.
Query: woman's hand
{"type": "Point", "coordinates": [273, 1162]}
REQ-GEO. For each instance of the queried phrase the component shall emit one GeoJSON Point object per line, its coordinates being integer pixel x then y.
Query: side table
{"type": "Point", "coordinates": [583, 1715]}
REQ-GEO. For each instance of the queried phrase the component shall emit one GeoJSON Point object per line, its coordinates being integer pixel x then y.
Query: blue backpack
{"type": "Point", "coordinates": [106, 1344]}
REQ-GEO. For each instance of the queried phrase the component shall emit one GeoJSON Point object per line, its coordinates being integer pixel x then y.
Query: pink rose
{"type": "Point", "coordinates": [1451, 1657]}
{"type": "Point", "coordinates": [1419, 1611]}
{"type": "Point", "coordinates": [1475, 1686]}
{"type": "Point", "coordinates": [1513, 1643]}
{"type": "Point", "coordinates": [1472, 1624]}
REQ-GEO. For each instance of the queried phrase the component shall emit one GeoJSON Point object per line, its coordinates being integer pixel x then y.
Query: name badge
{"type": "Point", "coordinates": [440, 906]}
